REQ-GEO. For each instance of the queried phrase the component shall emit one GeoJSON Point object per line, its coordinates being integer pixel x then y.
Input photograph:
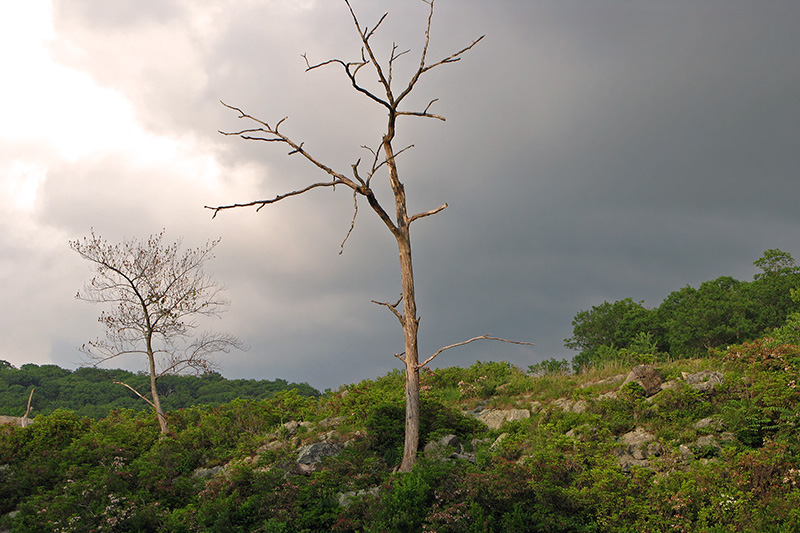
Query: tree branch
{"type": "Point", "coordinates": [278, 198]}
{"type": "Point", "coordinates": [353, 221]}
{"type": "Point", "coordinates": [359, 186]}
{"type": "Point", "coordinates": [393, 309]}
{"type": "Point", "coordinates": [482, 337]}
{"type": "Point", "coordinates": [135, 392]}
{"type": "Point", "coordinates": [427, 213]}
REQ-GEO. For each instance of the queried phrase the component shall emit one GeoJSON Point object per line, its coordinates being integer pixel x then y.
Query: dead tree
{"type": "Point", "coordinates": [156, 292]}
{"type": "Point", "coordinates": [359, 180]}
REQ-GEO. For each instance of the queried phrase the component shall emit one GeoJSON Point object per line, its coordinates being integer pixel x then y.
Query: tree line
{"type": "Point", "coordinates": [690, 321]}
{"type": "Point", "coordinates": [91, 392]}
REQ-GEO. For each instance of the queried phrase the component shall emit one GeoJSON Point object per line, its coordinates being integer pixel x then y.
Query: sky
{"type": "Point", "coordinates": [593, 151]}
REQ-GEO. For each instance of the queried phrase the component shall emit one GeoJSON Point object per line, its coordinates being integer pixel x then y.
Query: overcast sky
{"type": "Point", "coordinates": [592, 151]}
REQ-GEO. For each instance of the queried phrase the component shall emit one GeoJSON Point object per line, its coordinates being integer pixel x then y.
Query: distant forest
{"type": "Point", "coordinates": [91, 392]}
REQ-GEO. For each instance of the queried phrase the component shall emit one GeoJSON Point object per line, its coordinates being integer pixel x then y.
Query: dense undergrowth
{"type": "Point", "coordinates": [555, 471]}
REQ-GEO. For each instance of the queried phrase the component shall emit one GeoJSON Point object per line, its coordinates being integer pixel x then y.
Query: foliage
{"type": "Point", "coordinates": [690, 321]}
{"type": "Point", "coordinates": [608, 324]}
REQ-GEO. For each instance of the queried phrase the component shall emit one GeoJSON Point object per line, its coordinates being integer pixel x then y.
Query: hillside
{"type": "Point", "coordinates": [704, 444]}
{"type": "Point", "coordinates": [679, 418]}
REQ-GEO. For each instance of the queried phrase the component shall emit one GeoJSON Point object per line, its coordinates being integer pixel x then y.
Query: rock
{"type": "Point", "coordinates": [332, 422]}
{"type": "Point", "coordinates": [498, 441]}
{"type": "Point", "coordinates": [494, 418]}
{"type": "Point", "coordinates": [671, 384]}
{"type": "Point", "coordinates": [443, 446]}
{"type": "Point", "coordinates": [705, 447]}
{"type": "Point", "coordinates": [704, 381]}
{"type": "Point", "coordinates": [612, 379]}
{"type": "Point", "coordinates": [707, 440]}
{"type": "Point", "coordinates": [476, 443]}
{"type": "Point", "coordinates": [647, 377]}
{"type": "Point", "coordinates": [638, 446]}
{"type": "Point", "coordinates": [207, 472]}
{"type": "Point", "coordinates": [11, 421]}
{"type": "Point", "coordinates": [686, 452]}
{"type": "Point", "coordinates": [710, 422]}
{"type": "Point", "coordinates": [270, 447]}
{"type": "Point", "coordinates": [583, 433]}
{"type": "Point", "coordinates": [565, 404]}
{"type": "Point", "coordinates": [347, 498]}
{"type": "Point", "coordinates": [448, 447]}
{"type": "Point", "coordinates": [291, 427]}
{"type": "Point", "coordinates": [314, 453]}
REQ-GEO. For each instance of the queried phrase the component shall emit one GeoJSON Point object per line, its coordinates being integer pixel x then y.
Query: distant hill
{"type": "Point", "coordinates": [91, 392]}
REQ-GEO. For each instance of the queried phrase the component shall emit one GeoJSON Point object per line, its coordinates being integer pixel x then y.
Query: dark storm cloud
{"type": "Point", "coordinates": [592, 151]}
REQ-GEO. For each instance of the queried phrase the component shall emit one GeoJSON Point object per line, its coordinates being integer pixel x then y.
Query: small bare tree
{"type": "Point", "coordinates": [359, 180]}
{"type": "Point", "coordinates": [155, 293]}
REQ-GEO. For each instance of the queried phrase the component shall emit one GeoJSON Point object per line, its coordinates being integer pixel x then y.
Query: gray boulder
{"type": "Point", "coordinates": [314, 453]}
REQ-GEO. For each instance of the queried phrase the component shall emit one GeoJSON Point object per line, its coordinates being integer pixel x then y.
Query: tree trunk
{"type": "Point", "coordinates": [162, 419]}
{"type": "Point", "coordinates": [411, 357]}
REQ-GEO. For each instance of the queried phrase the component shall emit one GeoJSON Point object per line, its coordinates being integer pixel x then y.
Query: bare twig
{"type": "Point", "coordinates": [482, 337]}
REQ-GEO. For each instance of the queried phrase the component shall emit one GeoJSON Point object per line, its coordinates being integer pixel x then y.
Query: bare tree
{"type": "Point", "coordinates": [358, 179]}
{"type": "Point", "coordinates": [155, 292]}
